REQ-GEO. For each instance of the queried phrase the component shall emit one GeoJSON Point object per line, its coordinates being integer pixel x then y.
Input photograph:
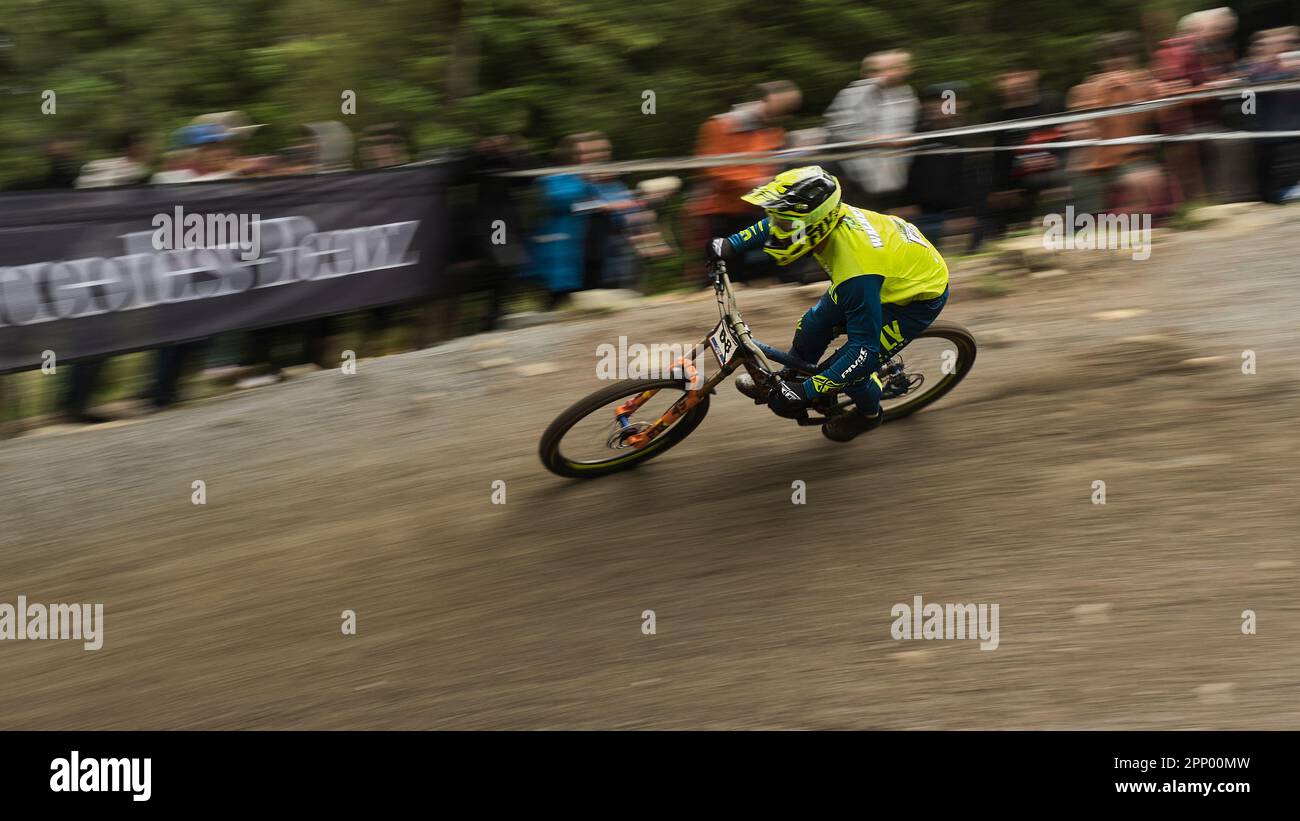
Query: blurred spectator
{"type": "Point", "coordinates": [879, 106]}
{"type": "Point", "coordinates": [559, 244]}
{"type": "Point", "coordinates": [494, 240]}
{"type": "Point", "coordinates": [651, 239]}
{"type": "Point", "coordinates": [299, 158]}
{"type": "Point", "coordinates": [129, 166]}
{"type": "Point", "coordinates": [204, 152]}
{"type": "Point", "coordinates": [748, 127]}
{"type": "Point", "coordinates": [944, 191]}
{"type": "Point", "coordinates": [1178, 69]}
{"type": "Point", "coordinates": [332, 143]}
{"type": "Point", "coordinates": [237, 124]}
{"type": "Point", "coordinates": [1276, 160]}
{"type": "Point", "coordinates": [320, 147]}
{"type": "Point", "coordinates": [315, 148]}
{"type": "Point", "coordinates": [1290, 61]}
{"type": "Point", "coordinates": [1217, 30]}
{"type": "Point", "coordinates": [63, 155]}
{"type": "Point", "coordinates": [621, 230]}
{"type": "Point", "coordinates": [1022, 179]}
{"type": "Point", "coordinates": [809, 138]}
{"type": "Point", "coordinates": [239, 129]}
{"type": "Point", "coordinates": [382, 146]}
{"type": "Point", "coordinates": [201, 152]}
{"type": "Point", "coordinates": [1228, 164]}
{"type": "Point", "coordinates": [261, 165]}
{"type": "Point", "coordinates": [575, 247]}
{"type": "Point", "coordinates": [1116, 177]}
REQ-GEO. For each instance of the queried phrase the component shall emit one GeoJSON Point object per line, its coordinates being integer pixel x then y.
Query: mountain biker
{"type": "Point", "coordinates": [888, 283]}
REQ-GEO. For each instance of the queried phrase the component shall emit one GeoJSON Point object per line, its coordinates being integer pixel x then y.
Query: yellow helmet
{"type": "Point", "coordinates": [803, 206]}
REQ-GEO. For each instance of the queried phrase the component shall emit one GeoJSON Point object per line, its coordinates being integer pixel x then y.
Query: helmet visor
{"type": "Point", "coordinates": [784, 224]}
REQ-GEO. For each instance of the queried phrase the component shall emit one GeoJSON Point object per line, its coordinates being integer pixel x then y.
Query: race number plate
{"type": "Point", "coordinates": [723, 342]}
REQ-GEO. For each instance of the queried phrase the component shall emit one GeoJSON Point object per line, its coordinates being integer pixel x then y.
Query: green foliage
{"type": "Point", "coordinates": [452, 70]}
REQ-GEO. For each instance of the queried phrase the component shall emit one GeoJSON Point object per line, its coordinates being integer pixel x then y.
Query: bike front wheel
{"type": "Point", "coordinates": [590, 440]}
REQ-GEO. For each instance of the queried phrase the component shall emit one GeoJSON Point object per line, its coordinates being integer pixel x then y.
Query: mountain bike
{"type": "Point", "coordinates": [634, 420]}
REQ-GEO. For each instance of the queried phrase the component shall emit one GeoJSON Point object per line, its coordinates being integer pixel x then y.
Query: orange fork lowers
{"type": "Point", "coordinates": [677, 411]}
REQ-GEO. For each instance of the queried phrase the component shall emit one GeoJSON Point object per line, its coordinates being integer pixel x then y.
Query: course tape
{"type": "Point", "coordinates": [898, 146]}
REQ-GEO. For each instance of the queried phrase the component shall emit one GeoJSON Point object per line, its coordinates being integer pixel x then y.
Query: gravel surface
{"type": "Point", "coordinates": [373, 493]}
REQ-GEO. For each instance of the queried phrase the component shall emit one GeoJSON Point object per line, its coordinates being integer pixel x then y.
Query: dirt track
{"type": "Point", "coordinates": [372, 492]}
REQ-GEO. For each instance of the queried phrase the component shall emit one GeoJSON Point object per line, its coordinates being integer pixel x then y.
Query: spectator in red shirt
{"type": "Point", "coordinates": [1124, 177]}
{"type": "Point", "coordinates": [1178, 69]}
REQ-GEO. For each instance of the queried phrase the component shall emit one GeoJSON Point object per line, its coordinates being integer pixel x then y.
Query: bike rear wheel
{"type": "Point", "coordinates": [587, 440]}
{"type": "Point", "coordinates": [940, 356]}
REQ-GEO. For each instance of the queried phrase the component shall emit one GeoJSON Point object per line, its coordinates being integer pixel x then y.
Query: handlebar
{"type": "Point", "coordinates": [727, 310]}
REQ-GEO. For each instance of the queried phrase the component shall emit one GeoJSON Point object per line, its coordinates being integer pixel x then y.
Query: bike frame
{"type": "Point", "coordinates": [753, 355]}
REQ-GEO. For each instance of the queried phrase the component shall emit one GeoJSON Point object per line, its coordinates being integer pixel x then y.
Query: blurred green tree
{"type": "Point", "coordinates": [453, 70]}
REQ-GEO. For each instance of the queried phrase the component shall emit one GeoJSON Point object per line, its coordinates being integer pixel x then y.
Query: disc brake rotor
{"type": "Point", "coordinates": [899, 382]}
{"type": "Point", "coordinates": [618, 438]}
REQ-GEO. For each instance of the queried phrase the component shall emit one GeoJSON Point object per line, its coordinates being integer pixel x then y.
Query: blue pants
{"type": "Point", "coordinates": [901, 324]}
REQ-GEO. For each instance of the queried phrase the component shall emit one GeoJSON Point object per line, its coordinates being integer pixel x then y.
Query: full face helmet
{"type": "Point", "coordinates": [803, 207]}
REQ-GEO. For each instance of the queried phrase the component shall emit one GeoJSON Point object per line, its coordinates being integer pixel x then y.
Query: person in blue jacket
{"type": "Point", "coordinates": [559, 248]}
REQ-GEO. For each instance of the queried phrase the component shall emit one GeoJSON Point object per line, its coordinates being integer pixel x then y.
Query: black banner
{"type": "Point", "coordinates": [104, 271]}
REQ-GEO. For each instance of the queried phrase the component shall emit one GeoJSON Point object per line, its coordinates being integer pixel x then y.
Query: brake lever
{"type": "Point", "coordinates": [716, 270]}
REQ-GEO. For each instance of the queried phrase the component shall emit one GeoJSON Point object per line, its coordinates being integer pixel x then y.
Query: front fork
{"type": "Point", "coordinates": [680, 408]}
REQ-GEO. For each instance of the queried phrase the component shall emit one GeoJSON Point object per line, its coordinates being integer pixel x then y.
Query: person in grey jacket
{"type": "Point", "coordinates": [879, 106]}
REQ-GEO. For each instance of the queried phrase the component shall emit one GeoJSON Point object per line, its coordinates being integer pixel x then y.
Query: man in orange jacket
{"type": "Point", "coordinates": [749, 127]}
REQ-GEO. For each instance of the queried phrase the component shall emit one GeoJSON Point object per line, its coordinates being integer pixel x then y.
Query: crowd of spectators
{"type": "Point", "coordinates": [977, 196]}
{"type": "Point", "coordinates": [213, 146]}
{"type": "Point", "coordinates": [575, 230]}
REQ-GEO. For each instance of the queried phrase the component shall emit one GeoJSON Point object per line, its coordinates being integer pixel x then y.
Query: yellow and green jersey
{"type": "Point", "coordinates": [866, 243]}
{"type": "Point", "coordinates": [888, 283]}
